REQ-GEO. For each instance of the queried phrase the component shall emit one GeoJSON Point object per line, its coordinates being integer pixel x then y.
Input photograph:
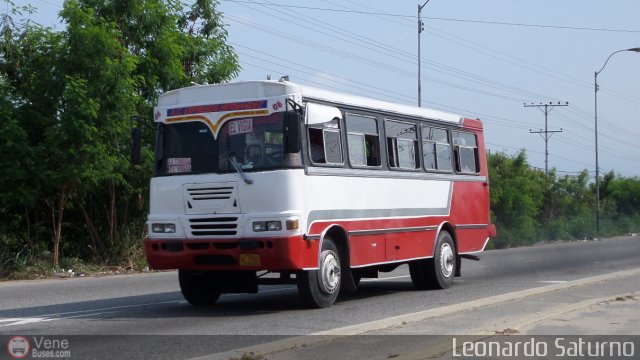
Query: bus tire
{"type": "Point", "coordinates": [439, 271]}
{"type": "Point", "coordinates": [199, 288]}
{"type": "Point", "coordinates": [320, 288]}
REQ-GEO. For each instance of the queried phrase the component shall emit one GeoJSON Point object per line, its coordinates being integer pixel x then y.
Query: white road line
{"type": "Point", "coordinates": [23, 321]}
{"type": "Point", "coordinates": [386, 278]}
{"type": "Point", "coordinates": [81, 313]}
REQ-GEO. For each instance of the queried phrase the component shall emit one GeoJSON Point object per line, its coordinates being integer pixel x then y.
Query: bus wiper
{"type": "Point", "coordinates": [236, 165]}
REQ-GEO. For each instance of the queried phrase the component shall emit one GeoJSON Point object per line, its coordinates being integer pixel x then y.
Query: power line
{"type": "Point", "coordinates": [322, 9]}
{"type": "Point", "coordinates": [502, 56]}
{"type": "Point", "coordinates": [50, 3]}
{"type": "Point", "coordinates": [402, 55]}
{"type": "Point", "coordinates": [473, 21]}
{"type": "Point", "coordinates": [334, 78]}
{"type": "Point", "coordinates": [365, 60]}
{"type": "Point", "coordinates": [556, 27]}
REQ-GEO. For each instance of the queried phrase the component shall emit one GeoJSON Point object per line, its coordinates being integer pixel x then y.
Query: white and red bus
{"type": "Point", "coordinates": [319, 187]}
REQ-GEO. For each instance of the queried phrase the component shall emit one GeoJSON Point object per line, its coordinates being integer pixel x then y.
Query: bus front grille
{"type": "Point", "coordinates": [214, 226]}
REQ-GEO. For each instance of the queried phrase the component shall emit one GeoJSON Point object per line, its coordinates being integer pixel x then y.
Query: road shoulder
{"type": "Point", "coordinates": [600, 305]}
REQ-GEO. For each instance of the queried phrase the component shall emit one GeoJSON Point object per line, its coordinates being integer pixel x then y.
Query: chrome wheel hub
{"type": "Point", "coordinates": [329, 272]}
{"type": "Point", "coordinates": [446, 260]}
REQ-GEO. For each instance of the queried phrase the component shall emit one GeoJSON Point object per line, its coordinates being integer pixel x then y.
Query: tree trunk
{"type": "Point", "coordinates": [98, 246]}
{"type": "Point", "coordinates": [27, 218]}
{"type": "Point", "coordinates": [57, 236]}
{"type": "Point", "coordinates": [57, 212]}
{"type": "Point", "coordinates": [113, 213]}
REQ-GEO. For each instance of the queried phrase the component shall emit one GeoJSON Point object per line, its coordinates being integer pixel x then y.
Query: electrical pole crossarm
{"type": "Point", "coordinates": [546, 134]}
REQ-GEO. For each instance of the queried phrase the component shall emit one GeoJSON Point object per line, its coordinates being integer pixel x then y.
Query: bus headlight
{"type": "Point", "coordinates": [260, 226]}
{"type": "Point", "coordinates": [163, 228]}
{"type": "Point", "coordinates": [274, 225]}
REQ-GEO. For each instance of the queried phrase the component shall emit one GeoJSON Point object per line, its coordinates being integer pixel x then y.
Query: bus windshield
{"type": "Point", "coordinates": [253, 143]}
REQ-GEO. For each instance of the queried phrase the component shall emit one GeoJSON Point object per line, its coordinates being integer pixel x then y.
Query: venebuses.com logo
{"type": "Point", "coordinates": [19, 347]}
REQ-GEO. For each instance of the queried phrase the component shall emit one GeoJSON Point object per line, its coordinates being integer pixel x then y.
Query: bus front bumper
{"type": "Point", "coordinates": [277, 254]}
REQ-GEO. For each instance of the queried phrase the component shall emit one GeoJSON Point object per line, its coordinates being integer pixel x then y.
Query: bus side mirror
{"type": "Point", "coordinates": [292, 132]}
{"type": "Point", "coordinates": [136, 140]}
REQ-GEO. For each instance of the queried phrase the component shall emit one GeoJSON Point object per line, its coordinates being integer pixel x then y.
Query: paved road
{"type": "Point", "coordinates": [151, 304]}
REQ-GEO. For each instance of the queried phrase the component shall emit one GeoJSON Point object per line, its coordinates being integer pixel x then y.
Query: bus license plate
{"type": "Point", "coordinates": [249, 260]}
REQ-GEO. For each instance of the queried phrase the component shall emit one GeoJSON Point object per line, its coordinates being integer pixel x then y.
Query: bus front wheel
{"type": "Point", "coordinates": [320, 288]}
{"type": "Point", "coordinates": [200, 288]}
{"type": "Point", "coordinates": [439, 271]}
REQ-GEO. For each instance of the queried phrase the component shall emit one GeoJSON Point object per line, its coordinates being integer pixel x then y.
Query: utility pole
{"type": "Point", "coordinates": [546, 134]}
{"type": "Point", "coordinates": [595, 104]}
{"type": "Point", "coordinates": [420, 30]}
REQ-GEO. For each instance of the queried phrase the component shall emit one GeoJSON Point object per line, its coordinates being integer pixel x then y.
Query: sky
{"type": "Point", "coordinates": [479, 58]}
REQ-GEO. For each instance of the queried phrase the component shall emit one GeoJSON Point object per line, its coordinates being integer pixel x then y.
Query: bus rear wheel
{"type": "Point", "coordinates": [200, 288]}
{"type": "Point", "coordinates": [439, 271]}
{"type": "Point", "coordinates": [320, 288]}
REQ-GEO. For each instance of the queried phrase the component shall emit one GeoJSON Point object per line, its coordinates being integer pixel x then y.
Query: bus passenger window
{"type": "Point", "coordinates": [363, 141]}
{"type": "Point", "coordinates": [357, 149]}
{"type": "Point", "coordinates": [466, 150]}
{"type": "Point", "coordinates": [325, 145]}
{"type": "Point", "coordinates": [402, 145]}
{"type": "Point", "coordinates": [436, 149]}
{"type": "Point", "coordinates": [332, 147]}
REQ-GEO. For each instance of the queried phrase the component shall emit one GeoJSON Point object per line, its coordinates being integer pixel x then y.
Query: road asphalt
{"type": "Point", "coordinates": [572, 290]}
{"type": "Point", "coordinates": [588, 310]}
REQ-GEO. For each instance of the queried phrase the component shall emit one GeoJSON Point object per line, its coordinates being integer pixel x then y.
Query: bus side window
{"type": "Point", "coordinates": [325, 144]}
{"type": "Point", "coordinates": [363, 140]}
{"type": "Point", "coordinates": [402, 145]}
{"type": "Point", "coordinates": [466, 152]}
{"type": "Point", "coordinates": [436, 149]}
{"type": "Point", "coordinates": [325, 140]}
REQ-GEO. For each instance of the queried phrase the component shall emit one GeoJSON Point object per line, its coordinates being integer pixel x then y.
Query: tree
{"type": "Point", "coordinates": [66, 98]}
{"type": "Point", "coordinates": [29, 56]}
{"type": "Point", "coordinates": [567, 211]}
{"type": "Point", "coordinates": [620, 203]}
{"type": "Point", "coordinates": [516, 195]}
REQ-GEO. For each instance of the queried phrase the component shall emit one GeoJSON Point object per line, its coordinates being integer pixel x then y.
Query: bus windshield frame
{"type": "Point", "coordinates": [190, 147]}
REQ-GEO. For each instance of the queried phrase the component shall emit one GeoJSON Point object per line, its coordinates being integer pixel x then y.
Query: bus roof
{"type": "Point", "coordinates": [250, 90]}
